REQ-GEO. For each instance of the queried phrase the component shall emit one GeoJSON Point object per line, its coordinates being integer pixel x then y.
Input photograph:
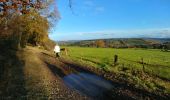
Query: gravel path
{"type": "Point", "coordinates": [27, 77]}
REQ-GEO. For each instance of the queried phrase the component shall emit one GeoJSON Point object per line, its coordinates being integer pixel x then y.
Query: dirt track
{"type": "Point", "coordinates": [82, 83]}
{"type": "Point", "coordinates": [28, 77]}
{"type": "Point", "coordinates": [119, 90]}
{"type": "Point", "coordinates": [42, 76]}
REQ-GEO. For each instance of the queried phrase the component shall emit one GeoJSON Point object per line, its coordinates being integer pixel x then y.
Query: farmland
{"type": "Point", "coordinates": [154, 62]}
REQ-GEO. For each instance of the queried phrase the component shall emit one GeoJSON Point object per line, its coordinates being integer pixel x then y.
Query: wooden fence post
{"type": "Point", "coordinates": [115, 59]}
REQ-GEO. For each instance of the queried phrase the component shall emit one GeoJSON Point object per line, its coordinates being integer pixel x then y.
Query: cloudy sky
{"type": "Point", "coordinates": [93, 19]}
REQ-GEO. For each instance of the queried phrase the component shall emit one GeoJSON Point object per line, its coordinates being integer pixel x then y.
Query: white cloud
{"type": "Point", "coordinates": [150, 33]}
{"type": "Point", "coordinates": [137, 33]}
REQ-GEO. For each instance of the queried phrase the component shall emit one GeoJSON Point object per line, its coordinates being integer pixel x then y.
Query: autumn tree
{"type": "Point", "coordinates": [28, 28]}
{"type": "Point", "coordinates": [21, 6]}
{"type": "Point", "coordinates": [100, 43]}
{"type": "Point", "coordinates": [23, 20]}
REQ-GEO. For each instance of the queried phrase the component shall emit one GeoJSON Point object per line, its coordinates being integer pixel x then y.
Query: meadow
{"type": "Point", "coordinates": [153, 62]}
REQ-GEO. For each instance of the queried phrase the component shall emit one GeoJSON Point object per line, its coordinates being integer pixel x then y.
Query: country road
{"type": "Point", "coordinates": [28, 77]}
{"type": "Point", "coordinates": [36, 74]}
{"type": "Point", "coordinates": [78, 79]}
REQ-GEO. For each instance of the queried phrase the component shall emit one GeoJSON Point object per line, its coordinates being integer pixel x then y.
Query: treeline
{"type": "Point", "coordinates": [22, 23]}
{"type": "Point", "coordinates": [122, 43]}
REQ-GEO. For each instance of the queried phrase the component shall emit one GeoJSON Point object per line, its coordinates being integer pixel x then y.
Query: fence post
{"type": "Point", "coordinates": [115, 59]}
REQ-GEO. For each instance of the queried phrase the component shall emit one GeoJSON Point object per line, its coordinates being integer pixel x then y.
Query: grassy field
{"type": "Point", "coordinates": [156, 62]}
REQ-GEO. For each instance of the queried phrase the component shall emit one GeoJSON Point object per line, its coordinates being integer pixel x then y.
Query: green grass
{"type": "Point", "coordinates": [158, 63]}
{"type": "Point", "coordinates": [103, 55]}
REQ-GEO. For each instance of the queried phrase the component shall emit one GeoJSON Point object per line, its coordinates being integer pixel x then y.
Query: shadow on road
{"type": "Point", "coordinates": [55, 69]}
{"type": "Point", "coordinates": [12, 80]}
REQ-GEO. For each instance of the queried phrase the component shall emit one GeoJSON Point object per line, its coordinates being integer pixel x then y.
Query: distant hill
{"type": "Point", "coordinates": [119, 42]}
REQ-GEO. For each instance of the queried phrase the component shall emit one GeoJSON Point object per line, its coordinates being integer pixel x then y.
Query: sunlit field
{"type": "Point", "coordinates": [155, 61]}
{"type": "Point", "coordinates": [145, 68]}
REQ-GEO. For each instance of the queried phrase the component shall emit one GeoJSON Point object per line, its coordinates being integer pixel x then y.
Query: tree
{"type": "Point", "coordinates": [25, 21]}
{"type": "Point", "coordinates": [100, 43]}
{"type": "Point", "coordinates": [21, 6]}
{"type": "Point", "coordinates": [35, 28]}
{"type": "Point", "coordinates": [21, 20]}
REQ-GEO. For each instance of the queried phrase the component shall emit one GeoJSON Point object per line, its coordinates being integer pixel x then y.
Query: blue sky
{"type": "Point", "coordinates": [94, 19]}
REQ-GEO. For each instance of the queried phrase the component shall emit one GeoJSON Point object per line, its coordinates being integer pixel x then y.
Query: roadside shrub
{"type": "Point", "coordinates": [48, 45]}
